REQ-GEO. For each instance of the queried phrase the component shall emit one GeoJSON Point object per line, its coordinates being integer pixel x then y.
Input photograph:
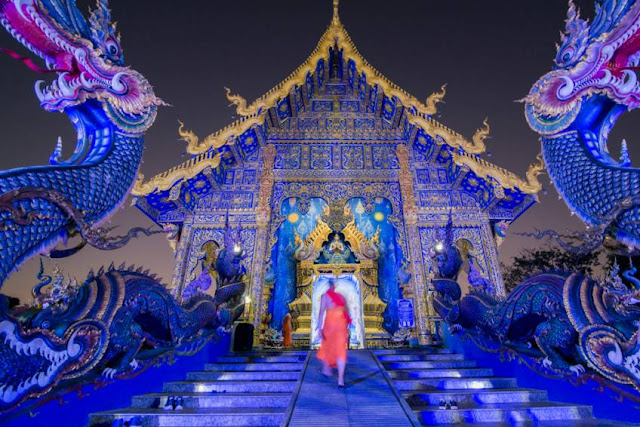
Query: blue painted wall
{"type": "Point", "coordinates": [390, 254]}
{"type": "Point", "coordinates": [283, 262]}
{"type": "Point", "coordinates": [75, 412]}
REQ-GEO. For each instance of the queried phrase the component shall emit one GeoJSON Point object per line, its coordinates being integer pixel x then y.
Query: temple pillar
{"type": "Point", "coordinates": [417, 284]}
{"type": "Point", "coordinates": [490, 248]}
{"type": "Point", "coordinates": [181, 253]}
{"type": "Point", "coordinates": [260, 301]}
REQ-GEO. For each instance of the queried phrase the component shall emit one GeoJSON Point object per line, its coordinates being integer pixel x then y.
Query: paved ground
{"type": "Point", "coordinates": [366, 400]}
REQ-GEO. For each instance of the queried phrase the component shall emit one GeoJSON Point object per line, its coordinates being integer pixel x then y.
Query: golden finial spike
{"type": "Point", "coordinates": [336, 17]}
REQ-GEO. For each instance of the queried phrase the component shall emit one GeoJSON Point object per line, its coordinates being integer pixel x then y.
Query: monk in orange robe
{"type": "Point", "coordinates": [334, 333]}
{"type": "Point", "coordinates": [286, 331]}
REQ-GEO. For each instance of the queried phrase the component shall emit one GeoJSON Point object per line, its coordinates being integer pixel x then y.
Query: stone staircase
{"type": "Point", "coordinates": [247, 389]}
{"type": "Point", "coordinates": [427, 377]}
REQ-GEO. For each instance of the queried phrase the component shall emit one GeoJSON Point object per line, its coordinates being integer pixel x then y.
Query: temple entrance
{"type": "Point", "coordinates": [349, 286]}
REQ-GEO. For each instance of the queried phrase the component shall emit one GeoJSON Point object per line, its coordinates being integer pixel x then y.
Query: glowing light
{"type": "Point", "coordinates": [439, 246]}
{"type": "Point", "coordinates": [478, 385]}
{"type": "Point", "coordinates": [293, 218]}
{"type": "Point", "coordinates": [237, 249]}
{"type": "Point", "coordinates": [378, 216]}
{"type": "Point", "coordinates": [247, 299]}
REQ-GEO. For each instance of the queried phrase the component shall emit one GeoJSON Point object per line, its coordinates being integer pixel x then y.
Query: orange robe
{"type": "Point", "coordinates": [286, 330]}
{"type": "Point", "coordinates": [335, 336]}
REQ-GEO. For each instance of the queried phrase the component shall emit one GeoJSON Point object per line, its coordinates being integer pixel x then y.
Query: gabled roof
{"type": "Point", "coordinates": [209, 151]}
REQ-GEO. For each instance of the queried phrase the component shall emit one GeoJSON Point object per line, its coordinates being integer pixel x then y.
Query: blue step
{"type": "Point", "coordinates": [288, 366]}
{"type": "Point", "coordinates": [243, 376]}
{"type": "Point", "coordinates": [506, 412]}
{"type": "Point", "coordinates": [430, 364]}
{"type": "Point", "coordinates": [440, 373]}
{"type": "Point", "coordinates": [419, 357]}
{"type": "Point", "coordinates": [472, 398]}
{"type": "Point", "coordinates": [479, 383]}
{"type": "Point", "coordinates": [260, 359]}
{"type": "Point", "coordinates": [229, 386]}
{"type": "Point", "coordinates": [216, 400]}
{"type": "Point", "coordinates": [193, 417]}
{"type": "Point", "coordinates": [425, 350]}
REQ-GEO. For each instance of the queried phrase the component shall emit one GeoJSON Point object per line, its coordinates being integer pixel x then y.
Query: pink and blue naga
{"type": "Point", "coordinates": [570, 324]}
{"type": "Point", "coordinates": [575, 106]}
{"type": "Point", "coordinates": [117, 322]}
{"type": "Point", "coordinates": [110, 105]}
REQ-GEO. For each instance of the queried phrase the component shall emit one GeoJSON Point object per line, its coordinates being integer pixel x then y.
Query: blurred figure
{"type": "Point", "coordinates": [286, 331]}
{"type": "Point", "coordinates": [334, 332]}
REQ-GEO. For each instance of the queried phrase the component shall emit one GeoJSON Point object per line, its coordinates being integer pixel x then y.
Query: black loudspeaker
{"type": "Point", "coordinates": [242, 338]}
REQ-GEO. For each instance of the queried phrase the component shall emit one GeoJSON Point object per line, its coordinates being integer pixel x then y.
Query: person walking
{"type": "Point", "coordinates": [334, 332]}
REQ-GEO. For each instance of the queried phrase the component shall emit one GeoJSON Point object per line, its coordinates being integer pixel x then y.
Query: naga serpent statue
{"type": "Point", "coordinates": [74, 334]}
{"type": "Point", "coordinates": [569, 321]}
{"type": "Point", "coordinates": [110, 105]}
{"type": "Point", "coordinates": [104, 327]}
{"type": "Point", "coordinates": [575, 106]}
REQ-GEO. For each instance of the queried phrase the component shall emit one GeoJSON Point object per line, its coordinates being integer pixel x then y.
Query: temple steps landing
{"type": "Point", "coordinates": [383, 388]}
{"type": "Point", "coordinates": [248, 389]}
{"type": "Point", "coordinates": [445, 389]}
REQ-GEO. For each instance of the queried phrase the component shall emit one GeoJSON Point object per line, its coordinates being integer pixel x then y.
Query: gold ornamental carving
{"type": "Point", "coordinates": [506, 179]}
{"type": "Point", "coordinates": [267, 180]}
{"type": "Point", "coordinates": [433, 100]}
{"type": "Point", "coordinates": [406, 185]}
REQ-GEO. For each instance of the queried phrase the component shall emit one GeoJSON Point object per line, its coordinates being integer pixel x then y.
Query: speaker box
{"type": "Point", "coordinates": [242, 338]}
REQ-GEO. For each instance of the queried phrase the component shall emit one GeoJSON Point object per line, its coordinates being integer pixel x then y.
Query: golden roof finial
{"type": "Point", "coordinates": [336, 17]}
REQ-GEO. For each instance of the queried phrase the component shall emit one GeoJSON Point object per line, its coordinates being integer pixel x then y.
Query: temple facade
{"type": "Point", "coordinates": [337, 173]}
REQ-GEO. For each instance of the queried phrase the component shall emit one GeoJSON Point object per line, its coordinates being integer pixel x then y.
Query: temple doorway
{"type": "Point", "coordinates": [349, 287]}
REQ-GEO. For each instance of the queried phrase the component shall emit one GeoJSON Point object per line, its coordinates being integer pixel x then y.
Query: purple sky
{"type": "Point", "coordinates": [489, 52]}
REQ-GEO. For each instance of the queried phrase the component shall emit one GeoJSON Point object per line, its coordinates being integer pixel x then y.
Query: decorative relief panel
{"type": "Point", "coordinates": [384, 157]}
{"type": "Point", "coordinates": [336, 89]}
{"type": "Point", "coordinates": [336, 124]}
{"type": "Point", "coordinates": [423, 143]}
{"type": "Point", "coordinates": [228, 177]}
{"type": "Point", "coordinates": [431, 235]}
{"type": "Point", "coordinates": [321, 157]}
{"type": "Point", "coordinates": [227, 200]}
{"type": "Point", "coordinates": [308, 124]}
{"type": "Point", "coordinates": [204, 235]}
{"type": "Point", "coordinates": [248, 142]}
{"type": "Point", "coordinates": [287, 157]}
{"type": "Point", "coordinates": [249, 177]}
{"type": "Point", "coordinates": [308, 84]}
{"type": "Point", "coordinates": [352, 157]}
{"type": "Point", "coordinates": [362, 87]}
{"type": "Point", "coordinates": [322, 106]}
{"type": "Point", "coordinates": [364, 124]}
{"type": "Point", "coordinates": [442, 176]}
{"type": "Point", "coordinates": [350, 106]}
{"type": "Point", "coordinates": [422, 176]}
{"type": "Point", "coordinates": [420, 156]}
{"type": "Point", "coordinates": [373, 99]}
{"type": "Point", "coordinates": [434, 198]}
{"type": "Point", "coordinates": [388, 109]}
{"type": "Point", "coordinates": [351, 73]}
{"type": "Point", "coordinates": [320, 72]}
{"type": "Point", "coordinates": [284, 109]}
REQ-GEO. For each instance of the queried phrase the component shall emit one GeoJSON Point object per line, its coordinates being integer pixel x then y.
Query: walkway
{"type": "Point", "coordinates": [366, 400]}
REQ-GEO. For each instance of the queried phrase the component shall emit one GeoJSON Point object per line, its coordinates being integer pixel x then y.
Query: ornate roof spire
{"type": "Point", "coordinates": [336, 16]}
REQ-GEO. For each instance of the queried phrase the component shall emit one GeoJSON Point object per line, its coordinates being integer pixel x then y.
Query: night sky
{"type": "Point", "coordinates": [489, 52]}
